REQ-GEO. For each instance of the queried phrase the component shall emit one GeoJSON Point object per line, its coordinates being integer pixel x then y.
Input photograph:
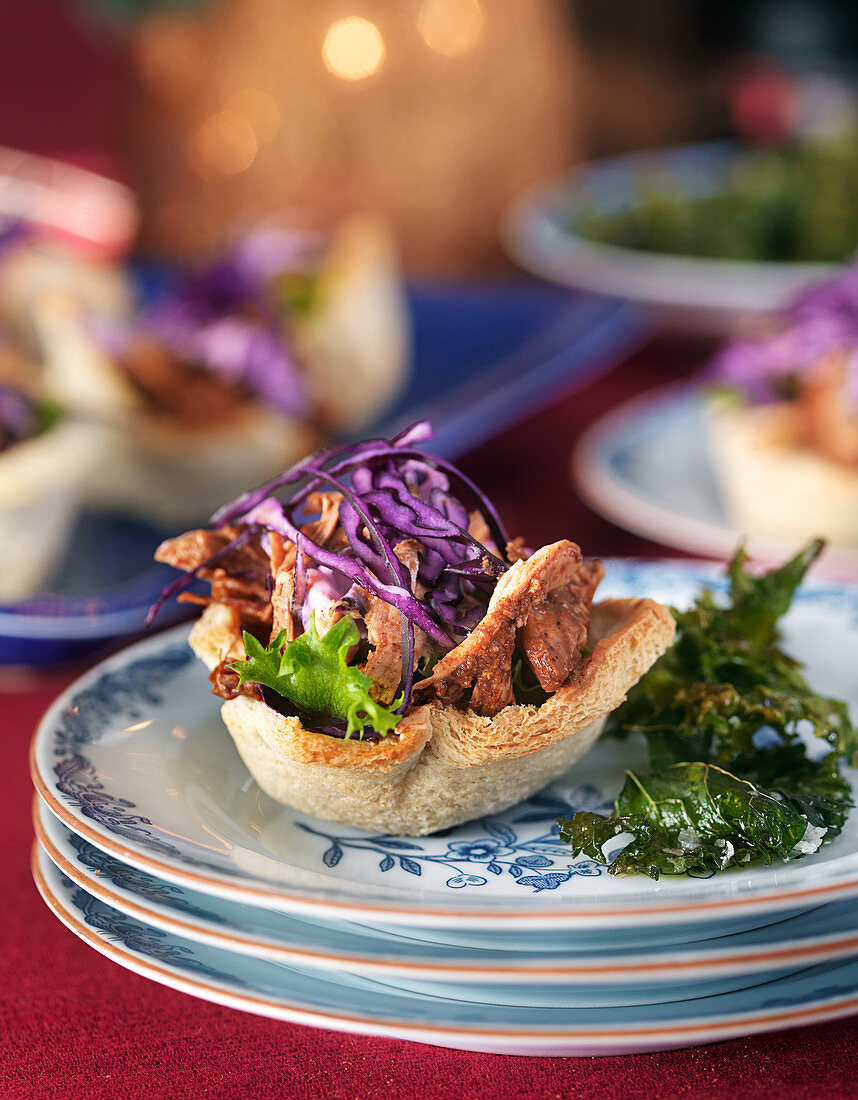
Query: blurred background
{"type": "Point", "coordinates": [438, 112]}
{"type": "Point", "coordinates": [303, 222]}
{"type": "Point", "coordinates": [263, 102]}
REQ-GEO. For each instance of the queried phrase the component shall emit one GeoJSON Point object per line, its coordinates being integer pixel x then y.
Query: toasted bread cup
{"type": "Point", "coordinates": [773, 485]}
{"type": "Point", "coordinates": [354, 350]}
{"type": "Point", "coordinates": [42, 480]}
{"type": "Point", "coordinates": [442, 765]}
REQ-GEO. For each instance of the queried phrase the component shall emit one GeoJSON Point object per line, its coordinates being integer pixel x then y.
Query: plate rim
{"type": "Point", "coordinates": [354, 909]}
{"type": "Point", "coordinates": [680, 959]}
{"type": "Point", "coordinates": [634, 512]}
{"type": "Point", "coordinates": [702, 1030]}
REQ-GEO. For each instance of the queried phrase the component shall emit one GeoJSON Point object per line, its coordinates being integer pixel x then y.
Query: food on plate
{"type": "Point", "coordinates": [791, 203]}
{"type": "Point", "coordinates": [784, 420]}
{"type": "Point", "coordinates": [238, 369]}
{"type": "Point", "coordinates": [388, 657]}
{"type": "Point", "coordinates": [45, 459]}
{"type": "Point", "coordinates": [32, 269]}
{"type": "Point", "coordinates": [727, 717]}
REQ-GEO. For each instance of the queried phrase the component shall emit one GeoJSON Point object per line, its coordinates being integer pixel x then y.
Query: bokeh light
{"type": "Point", "coordinates": [353, 48]}
{"type": "Point", "coordinates": [261, 111]}
{"type": "Point", "coordinates": [223, 145]}
{"type": "Point", "coordinates": [451, 27]}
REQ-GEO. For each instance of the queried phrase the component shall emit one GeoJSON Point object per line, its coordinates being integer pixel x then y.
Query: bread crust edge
{"type": "Point", "coordinates": [442, 766]}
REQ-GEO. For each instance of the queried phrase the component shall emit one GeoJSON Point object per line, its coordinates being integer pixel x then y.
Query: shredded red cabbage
{"type": "Point", "coordinates": [226, 318]}
{"type": "Point", "coordinates": [19, 417]}
{"type": "Point", "coordinates": [822, 320]}
{"type": "Point", "coordinates": [391, 492]}
{"type": "Point", "coordinates": [13, 231]}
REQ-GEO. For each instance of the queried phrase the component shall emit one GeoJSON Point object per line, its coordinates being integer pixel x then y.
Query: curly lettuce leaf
{"type": "Point", "coordinates": [525, 686]}
{"type": "Point", "coordinates": [313, 673]}
{"type": "Point", "coordinates": [723, 714]}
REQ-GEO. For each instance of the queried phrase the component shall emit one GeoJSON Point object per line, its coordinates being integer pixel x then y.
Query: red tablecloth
{"type": "Point", "coordinates": [73, 1024]}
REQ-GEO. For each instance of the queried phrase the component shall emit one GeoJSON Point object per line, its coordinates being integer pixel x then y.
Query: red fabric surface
{"type": "Point", "coordinates": [73, 1024]}
{"type": "Point", "coordinates": [62, 80]}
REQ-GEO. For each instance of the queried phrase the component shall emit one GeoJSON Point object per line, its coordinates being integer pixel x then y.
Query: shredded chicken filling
{"type": "Point", "coordinates": [179, 391]}
{"type": "Point", "coordinates": [830, 424]}
{"type": "Point", "coordinates": [540, 608]}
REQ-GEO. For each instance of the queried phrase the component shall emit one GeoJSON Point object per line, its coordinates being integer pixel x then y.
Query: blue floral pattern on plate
{"type": "Point", "coordinates": [136, 881]}
{"type": "Point", "coordinates": [128, 691]}
{"type": "Point", "coordinates": [539, 863]}
{"type": "Point", "coordinates": [141, 938]}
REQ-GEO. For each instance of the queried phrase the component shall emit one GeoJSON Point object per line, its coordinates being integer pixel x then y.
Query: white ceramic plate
{"type": "Point", "coordinates": [133, 757]}
{"type": "Point", "coordinates": [469, 983]}
{"type": "Point", "coordinates": [698, 293]}
{"type": "Point", "coordinates": [825, 933]}
{"type": "Point", "coordinates": [68, 204]}
{"type": "Point", "coordinates": [342, 1002]}
{"type": "Point", "coordinates": [646, 466]}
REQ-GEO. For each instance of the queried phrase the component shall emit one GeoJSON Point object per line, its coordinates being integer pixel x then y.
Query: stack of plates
{"type": "Point", "coordinates": [158, 850]}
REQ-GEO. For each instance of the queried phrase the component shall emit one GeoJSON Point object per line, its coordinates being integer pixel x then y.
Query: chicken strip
{"type": "Point", "coordinates": [555, 631]}
{"type": "Point", "coordinates": [484, 658]}
{"type": "Point", "coordinates": [239, 578]}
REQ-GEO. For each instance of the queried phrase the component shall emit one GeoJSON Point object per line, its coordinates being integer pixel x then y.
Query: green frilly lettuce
{"type": "Point", "coordinates": [313, 673]}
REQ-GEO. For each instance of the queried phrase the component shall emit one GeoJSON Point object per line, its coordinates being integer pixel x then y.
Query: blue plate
{"type": "Point", "coordinates": [484, 357]}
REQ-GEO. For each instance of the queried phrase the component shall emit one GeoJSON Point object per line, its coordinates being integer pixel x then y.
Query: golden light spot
{"type": "Point", "coordinates": [451, 27]}
{"type": "Point", "coordinates": [223, 145]}
{"type": "Point", "coordinates": [261, 111]}
{"type": "Point", "coordinates": [353, 48]}
{"type": "Point", "coordinates": [139, 726]}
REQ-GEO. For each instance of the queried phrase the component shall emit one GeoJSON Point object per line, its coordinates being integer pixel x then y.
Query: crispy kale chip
{"type": "Point", "coordinates": [698, 817]}
{"type": "Point", "coordinates": [723, 713]}
{"type": "Point", "coordinates": [313, 673]}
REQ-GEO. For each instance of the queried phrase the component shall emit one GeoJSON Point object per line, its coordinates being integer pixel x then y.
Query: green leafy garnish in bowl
{"type": "Point", "coordinates": [786, 204]}
{"type": "Point", "coordinates": [723, 712]}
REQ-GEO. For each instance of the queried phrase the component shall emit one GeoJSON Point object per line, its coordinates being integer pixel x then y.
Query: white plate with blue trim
{"type": "Point", "coordinates": [646, 466]}
{"type": "Point", "coordinates": [383, 961]}
{"type": "Point", "coordinates": [720, 955]}
{"type": "Point", "coordinates": [723, 959]}
{"type": "Point", "coordinates": [343, 1002]}
{"type": "Point", "coordinates": [699, 293]}
{"type": "Point", "coordinates": [134, 758]}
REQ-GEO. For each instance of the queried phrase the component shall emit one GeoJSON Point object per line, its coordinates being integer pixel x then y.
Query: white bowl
{"type": "Point", "coordinates": [698, 294]}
